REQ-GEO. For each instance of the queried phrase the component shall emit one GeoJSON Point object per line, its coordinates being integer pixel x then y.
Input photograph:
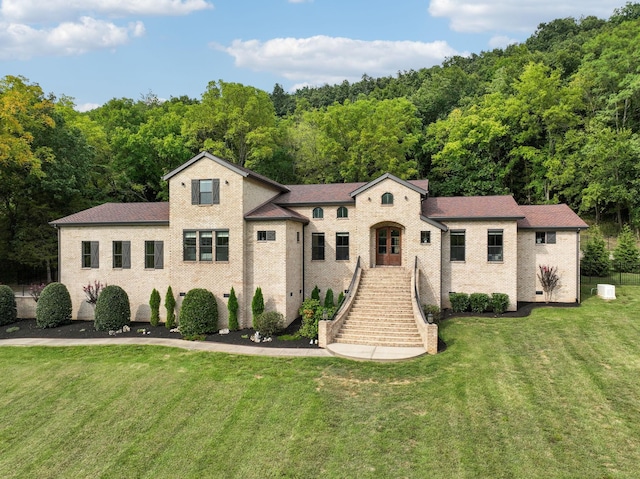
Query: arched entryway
{"type": "Point", "coordinates": [389, 246]}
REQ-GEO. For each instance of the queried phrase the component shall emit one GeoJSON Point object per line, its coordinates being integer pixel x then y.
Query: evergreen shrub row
{"type": "Point", "coordinates": [479, 302]}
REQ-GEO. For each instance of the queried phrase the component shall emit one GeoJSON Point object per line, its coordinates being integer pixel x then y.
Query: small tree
{"type": "Point", "coordinates": [93, 291]}
{"type": "Point", "coordinates": [549, 280]}
{"type": "Point", "coordinates": [154, 304]}
{"type": "Point", "coordinates": [328, 299]}
{"type": "Point", "coordinates": [170, 306]}
{"type": "Point", "coordinates": [340, 298]}
{"type": "Point", "coordinates": [54, 306]}
{"type": "Point", "coordinates": [199, 313]}
{"type": "Point", "coordinates": [232, 306]}
{"type": "Point", "coordinates": [113, 310]}
{"type": "Point", "coordinates": [311, 312]}
{"type": "Point", "coordinates": [626, 254]}
{"type": "Point", "coordinates": [595, 260]}
{"type": "Point", "coordinates": [35, 290]}
{"type": "Point", "coordinates": [257, 305]}
{"type": "Point", "coordinates": [8, 307]}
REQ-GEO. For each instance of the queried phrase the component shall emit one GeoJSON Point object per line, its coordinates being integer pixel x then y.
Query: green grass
{"type": "Point", "coordinates": [554, 395]}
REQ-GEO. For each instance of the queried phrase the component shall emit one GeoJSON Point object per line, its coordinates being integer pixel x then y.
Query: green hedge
{"type": "Point", "coordinates": [479, 302]}
{"type": "Point", "coordinates": [199, 313]}
{"type": "Point", "coordinates": [499, 302]}
{"type": "Point", "coordinates": [8, 308]}
{"type": "Point", "coordinates": [112, 309]}
{"type": "Point", "coordinates": [269, 323]}
{"type": "Point", "coordinates": [459, 302]}
{"type": "Point", "coordinates": [54, 306]}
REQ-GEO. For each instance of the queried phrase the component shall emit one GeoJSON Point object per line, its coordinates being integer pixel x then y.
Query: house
{"type": "Point", "coordinates": [226, 226]}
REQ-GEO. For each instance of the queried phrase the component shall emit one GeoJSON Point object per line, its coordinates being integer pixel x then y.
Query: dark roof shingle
{"type": "Point", "coordinates": [119, 213]}
{"type": "Point", "coordinates": [271, 211]}
{"type": "Point", "coordinates": [471, 207]}
{"type": "Point", "coordinates": [550, 216]}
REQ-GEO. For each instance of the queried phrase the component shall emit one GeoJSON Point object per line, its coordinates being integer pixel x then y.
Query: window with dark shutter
{"type": "Point", "coordinates": [215, 192]}
{"type": "Point", "coordinates": [95, 254]}
{"type": "Point", "coordinates": [126, 254]}
{"type": "Point", "coordinates": [158, 260]}
{"type": "Point", "coordinates": [195, 192]}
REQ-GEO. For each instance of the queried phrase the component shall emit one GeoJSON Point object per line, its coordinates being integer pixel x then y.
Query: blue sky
{"type": "Point", "coordinates": [95, 50]}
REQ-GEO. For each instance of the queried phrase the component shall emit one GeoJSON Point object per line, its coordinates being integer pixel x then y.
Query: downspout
{"type": "Point", "coordinates": [303, 269]}
{"type": "Point", "coordinates": [578, 278]}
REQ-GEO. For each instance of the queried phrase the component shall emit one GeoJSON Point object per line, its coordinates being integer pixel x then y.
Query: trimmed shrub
{"type": "Point", "coordinates": [311, 312]}
{"type": "Point", "coordinates": [257, 305]}
{"type": "Point", "coordinates": [459, 302]}
{"type": "Point", "coordinates": [154, 304]}
{"type": "Point", "coordinates": [199, 313]}
{"type": "Point", "coordinates": [340, 298]}
{"type": "Point", "coordinates": [269, 323]}
{"type": "Point", "coordinates": [54, 306]}
{"type": "Point", "coordinates": [232, 306]}
{"type": "Point", "coordinates": [434, 310]}
{"type": "Point", "coordinates": [113, 310]}
{"type": "Point", "coordinates": [315, 294]}
{"type": "Point", "coordinates": [170, 306]}
{"type": "Point", "coordinates": [328, 299]}
{"type": "Point", "coordinates": [479, 302]}
{"type": "Point", "coordinates": [499, 302]}
{"type": "Point", "coordinates": [8, 307]}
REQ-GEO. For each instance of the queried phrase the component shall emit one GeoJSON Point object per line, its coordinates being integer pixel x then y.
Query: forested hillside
{"type": "Point", "coordinates": [555, 119]}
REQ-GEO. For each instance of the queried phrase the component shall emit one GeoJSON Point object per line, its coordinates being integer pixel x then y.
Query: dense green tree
{"type": "Point", "coordinates": [595, 260]}
{"type": "Point", "coordinates": [626, 256]}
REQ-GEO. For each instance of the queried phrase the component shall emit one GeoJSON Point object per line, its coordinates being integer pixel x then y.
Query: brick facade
{"type": "Point", "coordinates": [271, 229]}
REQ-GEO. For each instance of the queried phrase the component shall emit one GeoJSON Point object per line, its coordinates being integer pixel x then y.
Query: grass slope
{"type": "Point", "coordinates": [552, 395]}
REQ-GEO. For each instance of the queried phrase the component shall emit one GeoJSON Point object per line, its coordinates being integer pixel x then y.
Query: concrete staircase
{"type": "Point", "coordinates": [382, 313]}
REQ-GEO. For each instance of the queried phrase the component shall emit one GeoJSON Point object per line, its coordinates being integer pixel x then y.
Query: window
{"type": "Point", "coordinates": [318, 213]}
{"type": "Point", "coordinates": [206, 245]}
{"type": "Point", "coordinates": [317, 246]}
{"type": "Point", "coordinates": [153, 254]}
{"type": "Point", "coordinates": [545, 237]}
{"type": "Point", "coordinates": [425, 237]}
{"type": "Point", "coordinates": [205, 192]}
{"type": "Point", "coordinates": [343, 212]}
{"type": "Point", "coordinates": [267, 235]}
{"type": "Point", "coordinates": [122, 254]}
{"type": "Point", "coordinates": [457, 245]}
{"type": "Point", "coordinates": [90, 254]}
{"type": "Point", "coordinates": [494, 245]}
{"type": "Point", "coordinates": [189, 246]}
{"type": "Point", "coordinates": [222, 245]}
{"type": "Point", "coordinates": [342, 246]}
{"type": "Point", "coordinates": [387, 199]}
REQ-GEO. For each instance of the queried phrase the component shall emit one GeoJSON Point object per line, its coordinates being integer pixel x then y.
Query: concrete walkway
{"type": "Point", "coordinates": [351, 351]}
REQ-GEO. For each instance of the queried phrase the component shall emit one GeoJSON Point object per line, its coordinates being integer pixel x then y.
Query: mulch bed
{"type": "Point", "coordinates": [84, 329]}
{"type": "Point", "coordinates": [524, 309]}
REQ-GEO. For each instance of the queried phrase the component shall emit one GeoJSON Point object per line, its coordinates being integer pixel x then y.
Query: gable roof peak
{"type": "Point", "coordinates": [388, 176]}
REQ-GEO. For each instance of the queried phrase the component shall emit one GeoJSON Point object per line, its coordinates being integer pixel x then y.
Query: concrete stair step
{"type": "Point", "coordinates": [386, 333]}
{"type": "Point", "coordinates": [379, 319]}
{"type": "Point", "coordinates": [408, 343]}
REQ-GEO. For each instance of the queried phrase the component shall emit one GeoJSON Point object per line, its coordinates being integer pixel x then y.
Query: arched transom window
{"type": "Point", "coordinates": [318, 212]}
{"type": "Point", "coordinates": [387, 199]}
{"type": "Point", "coordinates": [343, 212]}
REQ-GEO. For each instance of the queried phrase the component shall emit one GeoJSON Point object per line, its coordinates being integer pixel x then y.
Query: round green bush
{"type": "Point", "coordinates": [8, 308]}
{"type": "Point", "coordinates": [112, 309]}
{"type": "Point", "coordinates": [199, 313]}
{"type": "Point", "coordinates": [269, 323]}
{"type": "Point", "coordinates": [54, 306]}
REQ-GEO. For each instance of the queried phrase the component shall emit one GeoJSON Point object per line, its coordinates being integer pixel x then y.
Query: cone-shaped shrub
{"type": "Point", "coordinates": [154, 304]}
{"type": "Point", "coordinates": [54, 306]}
{"type": "Point", "coordinates": [328, 299]}
{"type": "Point", "coordinates": [199, 313]}
{"type": "Point", "coordinates": [315, 294]}
{"type": "Point", "coordinates": [112, 309]}
{"type": "Point", "coordinates": [232, 306]}
{"type": "Point", "coordinates": [8, 308]}
{"type": "Point", "coordinates": [257, 305]}
{"type": "Point", "coordinates": [170, 306]}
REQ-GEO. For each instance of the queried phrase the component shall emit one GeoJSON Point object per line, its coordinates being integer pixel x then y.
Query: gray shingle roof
{"type": "Point", "coordinates": [119, 213]}
{"type": "Point", "coordinates": [471, 207]}
{"type": "Point", "coordinates": [550, 216]}
{"type": "Point", "coordinates": [271, 211]}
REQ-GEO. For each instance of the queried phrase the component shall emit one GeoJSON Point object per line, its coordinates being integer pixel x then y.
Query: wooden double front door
{"type": "Point", "coordinates": [388, 246]}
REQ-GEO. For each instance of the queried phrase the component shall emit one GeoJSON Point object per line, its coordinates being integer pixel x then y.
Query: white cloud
{"type": "Point", "coordinates": [501, 41]}
{"type": "Point", "coordinates": [69, 38]}
{"type": "Point", "coordinates": [475, 16]}
{"type": "Point", "coordinates": [87, 107]}
{"type": "Point", "coordinates": [322, 59]}
{"type": "Point", "coordinates": [31, 28]}
{"type": "Point", "coordinates": [29, 11]}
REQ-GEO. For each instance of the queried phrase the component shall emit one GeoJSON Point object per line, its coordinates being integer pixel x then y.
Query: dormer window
{"type": "Point", "coordinates": [387, 199]}
{"type": "Point", "coordinates": [318, 213]}
{"type": "Point", "coordinates": [343, 212]}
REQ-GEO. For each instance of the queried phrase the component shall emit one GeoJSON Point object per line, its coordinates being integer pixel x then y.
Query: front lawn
{"type": "Point", "coordinates": [556, 394]}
